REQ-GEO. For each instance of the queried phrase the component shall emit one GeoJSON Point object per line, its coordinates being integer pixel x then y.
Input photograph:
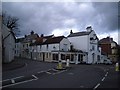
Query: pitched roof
{"type": "Point", "coordinates": [54, 40]}
{"type": "Point", "coordinates": [107, 40]}
{"type": "Point", "coordinates": [79, 33]}
{"type": "Point", "coordinates": [30, 37]}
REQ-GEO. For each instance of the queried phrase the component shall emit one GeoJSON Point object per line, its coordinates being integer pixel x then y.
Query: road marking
{"type": "Point", "coordinates": [97, 86]}
{"type": "Point", "coordinates": [106, 74]}
{"type": "Point", "coordinates": [41, 72]}
{"type": "Point", "coordinates": [48, 72]}
{"type": "Point", "coordinates": [55, 69]}
{"type": "Point", "coordinates": [59, 72]}
{"type": "Point", "coordinates": [81, 86]}
{"type": "Point", "coordinates": [11, 78]}
{"type": "Point", "coordinates": [17, 83]}
{"type": "Point", "coordinates": [70, 73]}
{"type": "Point", "coordinates": [103, 78]}
{"type": "Point", "coordinates": [49, 69]}
{"type": "Point", "coordinates": [35, 77]}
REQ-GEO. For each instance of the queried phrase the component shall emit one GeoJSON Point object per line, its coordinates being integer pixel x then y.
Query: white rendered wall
{"type": "Point", "coordinates": [9, 44]}
{"type": "Point", "coordinates": [65, 45]}
{"type": "Point", "coordinates": [79, 42]}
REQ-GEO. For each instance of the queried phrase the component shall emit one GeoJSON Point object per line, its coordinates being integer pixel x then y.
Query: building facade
{"type": "Point", "coordinates": [86, 41]}
{"type": "Point", "coordinates": [8, 44]}
{"type": "Point", "coordinates": [55, 49]}
{"type": "Point", "coordinates": [109, 48]}
{"type": "Point", "coordinates": [22, 47]}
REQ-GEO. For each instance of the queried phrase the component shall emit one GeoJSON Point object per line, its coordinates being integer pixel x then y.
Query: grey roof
{"type": "Point", "coordinates": [79, 34]}
{"type": "Point", "coordinates": [54, 40]}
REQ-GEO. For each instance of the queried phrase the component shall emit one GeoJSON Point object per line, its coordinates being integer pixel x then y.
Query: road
{"type": "Point", "coordinates": [43, 75]}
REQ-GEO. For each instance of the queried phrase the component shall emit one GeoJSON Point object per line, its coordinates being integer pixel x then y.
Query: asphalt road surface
{"type": "Point", "coordinates": [43, 75]}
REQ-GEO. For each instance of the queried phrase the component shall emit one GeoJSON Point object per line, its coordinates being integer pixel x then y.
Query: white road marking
{"type": "Point", "coordinates": [41, 72]}
{"type": "Point", "coordinates": [103, 78]}
{"type": "Point", "coordinates": [97, 86]}
{"type": "Point", "coordinates": [49, 69]}
{"type": "Point", "coordinates": [55, 69]}
{"type": "Point", "coordinates": [11, 78]}
{"type": "Point", "coordinates": [59, 72]}
{"type": "Point", "coordinates": [17, 83]}
{"type": "Point", "coordinates": [35, 77]}
{"type": "Point", "coordinates": [48, 72]}
{"type": "Point", "coordinates": [70, 73]}
{"type": "Point", "coordinates": [106, 74]}
{"type": "Point", "coordinates": [81, 86]}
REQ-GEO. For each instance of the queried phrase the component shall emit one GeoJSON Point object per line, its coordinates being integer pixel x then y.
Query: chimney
{"type": "Point", "coordinates": [25, 36]}
{"type": "Point", "coordinates": [42, 35]}
{"type": "Point", "coordinates": [89, 28]}
{"type": "Point", "coordinates": [32, 32]}
{"type": "Point", "coordinates": [111, 39]}
{"type": "Point", "coordinates": [71, 31]}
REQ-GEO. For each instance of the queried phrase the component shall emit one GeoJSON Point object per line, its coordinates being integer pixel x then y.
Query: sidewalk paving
{"type": "Point", "coordinates": [15, 64]}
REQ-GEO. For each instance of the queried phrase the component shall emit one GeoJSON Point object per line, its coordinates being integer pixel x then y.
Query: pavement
{"type": "Point", "coordinates": [15, 64]}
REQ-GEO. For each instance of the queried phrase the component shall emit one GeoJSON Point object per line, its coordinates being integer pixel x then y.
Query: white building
{"type": "Point", "coordinates": [86, 41]}
{"type": "Point", "coordinates": [8, 44]}
{"type": "Point", "coordinates": [0, 44]}
{"type": "Point", "coordinates": [47, 50]}
{"type": "Point", "coordinates": [56, 49]}
{"type": "Point", "coordinates": [18, 47]}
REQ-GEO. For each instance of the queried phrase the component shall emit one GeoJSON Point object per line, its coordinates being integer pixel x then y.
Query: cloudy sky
{"type": "Point", "coordinates": [59, 18]}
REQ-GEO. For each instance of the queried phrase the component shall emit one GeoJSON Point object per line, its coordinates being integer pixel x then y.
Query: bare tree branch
{"type": "Point", "coordinates": [11, 22]}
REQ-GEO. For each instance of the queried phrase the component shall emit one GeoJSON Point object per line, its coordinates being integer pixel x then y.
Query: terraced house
{"type": "Point", "coordinates": [79, 47]}
{"type": "Point", "coordinates": [54, 49]}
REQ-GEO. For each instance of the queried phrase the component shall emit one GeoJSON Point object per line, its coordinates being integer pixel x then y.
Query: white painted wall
{"type": "Point", "coordinates": [65, 45]}
{"type": "Point", "coordinates": [9, 44]}
{"type": "Point", "coordinates": [83, 43]}
{"type": "Point", "coordinates": [91, 44]}
{"type": "Point", "coordinates": [79, 42]}
{"type": "Point", "coordinates": [18, 49]}
{"type": "Point", "coordinates": [50, 47]}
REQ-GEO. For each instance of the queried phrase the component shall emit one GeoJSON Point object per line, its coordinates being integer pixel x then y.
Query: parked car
{"type": "Point", "coordinates": [107, 62]}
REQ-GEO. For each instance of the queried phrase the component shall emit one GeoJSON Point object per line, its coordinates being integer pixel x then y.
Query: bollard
{"type": "Point", "coordinates": [67, 63]}
{"type": "Point", "coordinates": [117, 67]}
{"type": "Point", "coordinates": [59, 65]}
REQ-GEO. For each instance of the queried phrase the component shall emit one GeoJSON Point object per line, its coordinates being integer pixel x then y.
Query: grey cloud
{"type": "Point", "coordinates": [43, 17]}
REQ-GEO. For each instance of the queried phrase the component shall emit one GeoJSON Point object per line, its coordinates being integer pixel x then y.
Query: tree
{"type": "Point", "coordinates": [11, 22]}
